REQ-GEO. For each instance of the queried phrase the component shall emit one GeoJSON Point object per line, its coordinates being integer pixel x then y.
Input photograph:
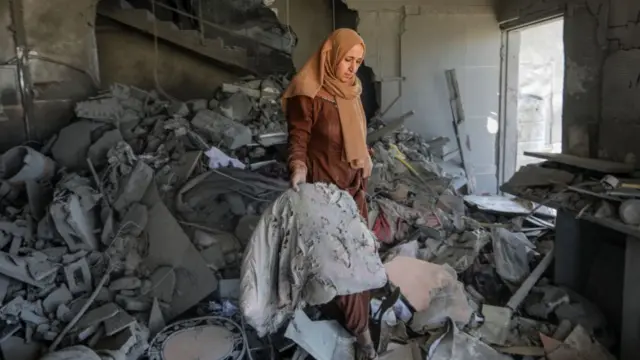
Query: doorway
{"type": "Point", "coordinates": [532, 83]}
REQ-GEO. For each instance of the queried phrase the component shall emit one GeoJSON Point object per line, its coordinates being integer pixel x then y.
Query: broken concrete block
{"type": "Point", "coordinates": [196, 105]}
{"type": "Point", "coordinates": [70, 150]}
{"type": "Point", "coordinates": [16, 348]}
{"type": "Point", "coordinates": [237, 107]}
{"type": "Point", "coordinates": [134, 187]}
{"type": "Point", "coordinates": [132, 304]}
{"type": "Point", "coordinates": [74, 223]}
{"type": "Point", "coordinates": [62, 313]}
{"type": "Point", "coordinates": [16, 268]}
{"type": "Point", "coordinates": [544, 300]}
{"type": "Point", "coordinates": [229, 288]}
{"type": "Point", "coordinates": [135, 219]}
{"type": "Point", "coordinates": [223, 241]}
{"type": "Point", "coordinates": [22, 163]}
{"type": "Point", "coordinates": [156, 319]}
{"type": "Point", "coordinates": [97, 316]}
{"type": "Point", "coordinates": [117, 323]}
{"type": "Point", "coordinates": [497, 322]}
{"type": "Point", "coordinates": [125, 283]}
{"type": "Point", "coordinates": [178, 109]}
{"type": "Point", "coordinates": [40, 270]}
{"type": "Point", "coordinates": [222, 129]}
{"type": "Point", "coordinates": [78, 277]}
{"type": "Point", "coordinates": [16, 244]}
{"type": "Point", "coordinates": [5, 281]}
{"type": "Point", "coordinates": [60, 296]}
{"type": "Point", "coordinates": [236, 203]}
{"type": "Point", "coordinates": [31, 317]}
{"type": "Point", "coordinates": [163, 282]}
{"type": "Point", "coordinates": [97, 152]}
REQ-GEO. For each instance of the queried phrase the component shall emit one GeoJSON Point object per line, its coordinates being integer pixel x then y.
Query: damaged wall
{"type": "Point", "coordinates": [181, 74]}
{"type": "Point", "coordinates": [419, 42]}
{"type": "Point", "coordinates": [61, 71]}
{"type": "Point", "coordinates": [311, 20]}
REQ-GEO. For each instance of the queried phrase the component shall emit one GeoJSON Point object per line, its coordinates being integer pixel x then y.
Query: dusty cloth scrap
{"type": "Point", "coordinates": [309, 246]}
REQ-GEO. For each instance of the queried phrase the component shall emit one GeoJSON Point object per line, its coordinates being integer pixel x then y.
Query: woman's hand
{"type": "Point", "coordinates": [298, 175]}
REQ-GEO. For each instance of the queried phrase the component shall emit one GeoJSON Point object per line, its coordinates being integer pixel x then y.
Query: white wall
{"type": "Point", "coordinates": [420, 42]}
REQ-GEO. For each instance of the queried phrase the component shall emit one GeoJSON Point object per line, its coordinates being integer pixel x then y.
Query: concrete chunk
{"type": "Point", "coordinates": [495, 329]}
{"type": "Point", "coordinates": [16, 268]}
{"type": "Point", "coordinates": [134, 187]}
{"type": "Point", "coordinates": [78, 277]}
{"type": "Point", "coordinates": [60, 296]}
{"type": "Point", "coordinates": [222, 129]}
{"type": "Point", "coordinates": [70, 150]}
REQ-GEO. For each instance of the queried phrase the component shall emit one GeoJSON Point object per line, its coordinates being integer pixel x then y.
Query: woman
{"type": "Point", "coordinates": [327, 142]}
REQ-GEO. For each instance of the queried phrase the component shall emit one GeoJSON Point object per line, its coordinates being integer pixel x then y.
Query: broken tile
{"type": "Point", "coordinates": [125, 283]}
{"type": "Point", "coordinates": [60, 296]}
{"type": "Point", "coordinates": [117, 323]}
{"type": "Point", "coordinates": [78, 277]}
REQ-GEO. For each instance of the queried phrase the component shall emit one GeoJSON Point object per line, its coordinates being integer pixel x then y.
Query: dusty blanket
{"type": "Point", "coordinates": [308, 247]}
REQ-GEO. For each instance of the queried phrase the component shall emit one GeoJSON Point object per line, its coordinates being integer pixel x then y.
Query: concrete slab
{"type": "Point", "coordinates": [117, 323]}
{"type": "Point", "coordinates": [163, 282]}
{"type": "Point", "coordinates": [60, 296]}
{"type": "Point", "coordinates": [78, 277]}
{"type": "Point", "coordinates": [170, 246]}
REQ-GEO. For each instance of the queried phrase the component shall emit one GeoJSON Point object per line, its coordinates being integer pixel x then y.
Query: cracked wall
{"type": "Point", "coordinates": [602, 49]}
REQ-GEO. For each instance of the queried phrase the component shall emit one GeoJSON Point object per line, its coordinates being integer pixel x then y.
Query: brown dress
{"type": "Point", "coordinates": [315, 139]}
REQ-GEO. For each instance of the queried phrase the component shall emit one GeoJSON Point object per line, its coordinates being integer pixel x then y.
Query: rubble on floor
{"type": "Point", "coordinates": [126, 236]}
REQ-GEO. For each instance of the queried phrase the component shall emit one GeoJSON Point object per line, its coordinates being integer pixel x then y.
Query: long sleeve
{"type": "Point", "coordinates": [300, 120]}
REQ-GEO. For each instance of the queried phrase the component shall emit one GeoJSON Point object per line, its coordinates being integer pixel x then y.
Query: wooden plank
{"type": "Point", "coordinates": [603, 166]}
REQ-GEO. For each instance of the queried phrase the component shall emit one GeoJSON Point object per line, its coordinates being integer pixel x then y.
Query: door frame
{"type": "Point", "coordinates": [508, 107]}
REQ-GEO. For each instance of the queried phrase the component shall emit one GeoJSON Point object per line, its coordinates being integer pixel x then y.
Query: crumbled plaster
{"type": "Point", "coordinates": [577, 77]}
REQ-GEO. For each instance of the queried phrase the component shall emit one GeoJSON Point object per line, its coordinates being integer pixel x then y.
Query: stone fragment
{"type": "Point", "coordinates": [222, 129]}
{"type": "Point", "coordinates": [237, 107]}
{"type": "Point", "coordinates": [125, 283]}
{"type": "Point", "coordinates": [16, 268]}
{"type": "Point", "coordinates": [78, 277]}
{"type": "Point", "coordinates": [134, 186]}
{"type": "Point", "coordinates": [163, 283]}
{"type": "Point", "coordinates": [60, 296]}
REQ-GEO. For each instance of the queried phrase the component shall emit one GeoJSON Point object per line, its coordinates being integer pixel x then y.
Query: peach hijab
{"type": "Point", "coordinates": [320, 72]}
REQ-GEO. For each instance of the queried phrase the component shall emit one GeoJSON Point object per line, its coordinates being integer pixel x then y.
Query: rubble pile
{"type": "Point", "coordinates": [136, 215]}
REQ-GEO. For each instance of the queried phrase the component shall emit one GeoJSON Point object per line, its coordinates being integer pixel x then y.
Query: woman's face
{"type": "Point", "coordinates": [348, 67]}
